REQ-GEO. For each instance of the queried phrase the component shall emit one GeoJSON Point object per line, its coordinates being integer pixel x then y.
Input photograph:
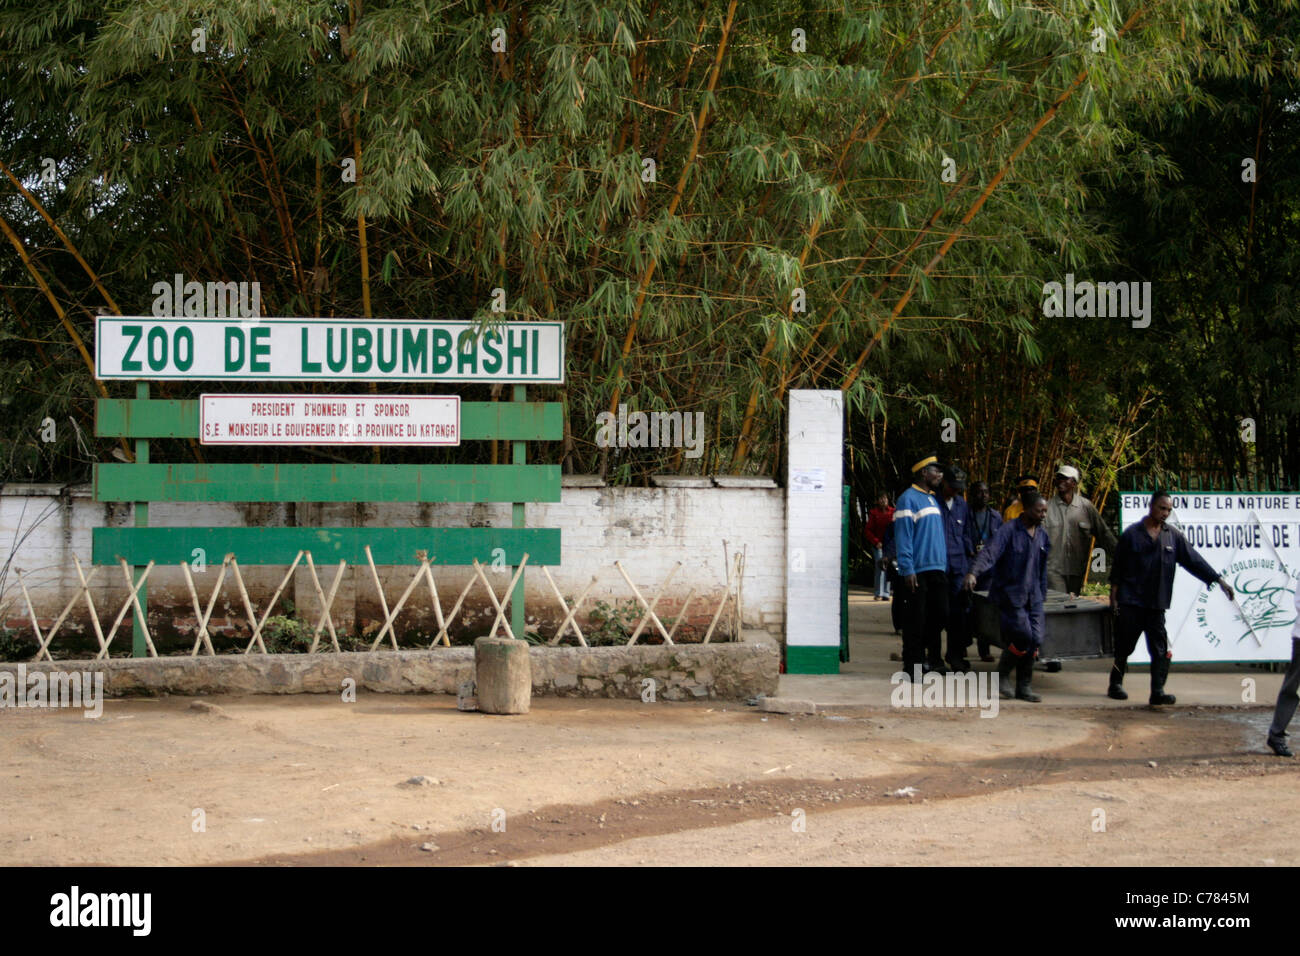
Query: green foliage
{"type": "Point", "coordinates": [611, 624]}
{"type": "Point", "coordinates": [776, 170]}
{"type": "Point", "coordinates": [13, 647]}
{"type": "Point", "coordinates": [287, 633]}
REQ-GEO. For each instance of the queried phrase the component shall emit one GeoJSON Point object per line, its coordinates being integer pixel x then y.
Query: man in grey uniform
{"type": "Point", "coordinates": [1072, 524]}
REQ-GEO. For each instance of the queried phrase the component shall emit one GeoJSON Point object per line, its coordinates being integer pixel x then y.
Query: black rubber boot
{"type": "Point", "coordinates": [1024, 674]}
{"type": "Point", "coordinates": [1005, 666]}
{"type": "Point", "coordinates": [1160, 671]}
{"type": "Point", "coordinates": [1116, 690]}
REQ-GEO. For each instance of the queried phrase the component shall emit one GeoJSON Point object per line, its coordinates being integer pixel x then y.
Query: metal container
{"type": "Point", "coordinates": [1077, 627]}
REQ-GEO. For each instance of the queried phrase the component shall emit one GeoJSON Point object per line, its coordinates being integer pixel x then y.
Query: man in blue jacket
{"type": "Point", "coordinates": [922, 554]}
{"type": "Point", "coordinates": [1141, 587]}
{"type": "Point", "coordinates": [1017, 556]}
{"type": "Point", "coordinates": [960, 541]}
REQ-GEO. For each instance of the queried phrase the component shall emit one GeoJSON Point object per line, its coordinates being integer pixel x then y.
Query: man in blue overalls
{"type": "Point", "coordinates": [1017, 556]}
{"type": "Point", "coordinates": [985, 521]}
{"type": "Point", "coordinates": [957, 532]}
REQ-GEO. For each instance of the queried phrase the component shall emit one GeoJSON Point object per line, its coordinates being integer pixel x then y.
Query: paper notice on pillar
{"type": "Point", "coordinates": [808, 481]}
{"type": "Point", "coordinates": [1254, 542]}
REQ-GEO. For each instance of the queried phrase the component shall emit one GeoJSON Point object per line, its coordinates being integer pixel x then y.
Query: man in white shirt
{"type": "Point", "coordinates": [1287, 697]}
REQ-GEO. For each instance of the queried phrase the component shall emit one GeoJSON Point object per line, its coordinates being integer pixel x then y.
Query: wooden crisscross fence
{"type": "Point", "coordinates": [324, 624]}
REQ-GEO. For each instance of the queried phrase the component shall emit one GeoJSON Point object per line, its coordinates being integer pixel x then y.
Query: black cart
{"type": "Point", "coordinates": [1078, 628]}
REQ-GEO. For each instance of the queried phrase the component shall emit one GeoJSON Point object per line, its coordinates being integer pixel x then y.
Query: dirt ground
{"type": "Point", "coordinates": [314, 780]}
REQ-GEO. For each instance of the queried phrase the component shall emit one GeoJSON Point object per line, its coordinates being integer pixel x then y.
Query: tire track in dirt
{"type": "Point", "coordinates": [1122, 745]}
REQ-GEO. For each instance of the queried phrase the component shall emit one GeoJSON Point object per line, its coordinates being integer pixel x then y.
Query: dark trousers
{"type": "Point", "coordinates": [1288, 696]}
{"type": "Point", "coordinates": [959, 619]}
{"type": "Point", "coordinates": [981, 584]}
{"type": "Point", "coordinates": [927, 613]}
{"type": "Point", "coordinates": [1132, 622]}
{"type": "Point", "coordinates": [1022, 628]}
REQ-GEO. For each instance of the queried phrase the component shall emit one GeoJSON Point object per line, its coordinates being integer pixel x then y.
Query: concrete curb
{"type": "Point", "coordinates": [678, 672]}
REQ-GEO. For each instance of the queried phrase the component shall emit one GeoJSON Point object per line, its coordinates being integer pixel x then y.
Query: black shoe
{"type": "Point", "coordinates": [1025, 674]}
{"type": "Point", "coordinates": [1161, 698]}
{"type": "Point", "coordinates": [1280, 748]}
{"type": "Point", "coordinates": [1116, 692]}
{"type": "Point", "coordinates": [939, 669]}
{"type": "Point", "coordinates": [1005, 666]}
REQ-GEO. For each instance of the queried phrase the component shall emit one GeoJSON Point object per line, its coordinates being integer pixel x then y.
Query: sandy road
{"type": "Point", "coordinates": [313, 780]}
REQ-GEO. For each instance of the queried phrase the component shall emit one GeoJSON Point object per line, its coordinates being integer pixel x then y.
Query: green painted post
{"type": "Point", "coordinates": [517, 520]}
{"type": "Point", "coordinates": [138, 647]}
{"type": "Point", "coordinates": [844, 580]}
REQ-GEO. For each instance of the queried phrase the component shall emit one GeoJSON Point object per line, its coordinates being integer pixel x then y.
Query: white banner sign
{"type": "Point", "coordinates": [1254, 542]}
{"type": "Point", "coordinates": [329, 420]}
{"type": "Point", "coordinates": [289, 350]}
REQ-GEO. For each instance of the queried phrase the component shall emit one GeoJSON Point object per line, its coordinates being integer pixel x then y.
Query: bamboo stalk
{"type": "Point", "coordinates": [976, 207]}
{"type": "Point", "coordinates": [648, 272]}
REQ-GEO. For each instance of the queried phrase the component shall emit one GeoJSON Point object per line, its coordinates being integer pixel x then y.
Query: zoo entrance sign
{"type": "Point", "coordinates": [285, 350]}
{"type": "Point", "coordinates": [1253, 540]}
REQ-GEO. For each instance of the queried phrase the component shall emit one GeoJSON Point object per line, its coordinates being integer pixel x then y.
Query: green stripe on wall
{"type": "Point", "coordinates": [812, 660]}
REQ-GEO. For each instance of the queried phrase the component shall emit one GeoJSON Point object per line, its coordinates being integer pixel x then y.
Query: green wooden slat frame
{"type": "Point", "coordinates": [296, 482]}
{"type": "Point", "coordinates": [327, 545]}
{"type": "Point", "coordinates": [479, 421]}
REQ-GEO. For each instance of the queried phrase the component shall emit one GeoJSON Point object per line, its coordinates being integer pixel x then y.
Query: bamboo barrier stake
{"type": "Point", "coordinates": [126, 605]}
{"type": "Point", "coordinates": [135, 599]}
{"type": "Point", "coordinates": [31, 612]}
{"type": "Point", "coordinates": [649, 608]}
{"type": "Point", "coordinates": [500, 620]}
{"type": "Point", "coordinates": [266, 615]}
{"type": "Point", "coordinates": [383, 601]}
{"type": "Point", "coordinates": [248, 607]}
{"type": "Point", "coordinates": [437, 606]}
{"type": "Point", "coordinates": [570, 616]}
{"type": "Point", "coordinates": [718, 613]}
{"type": "Point", "coordinates": [325, 619]}
{"type": "Point", "coordinates": [202, 617]}
{"type": "Point", "coordinates": [690, 596]}
{"type": "Point", "coordinates": [397, 608]}
{"type": "Point", "coordinates": [90, 604]}
{"type": "Point", "coordinates": [442, 634]}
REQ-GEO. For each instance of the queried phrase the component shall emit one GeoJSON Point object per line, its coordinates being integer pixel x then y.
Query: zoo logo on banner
{"type": "Point", "coordinates": [1264, 592]}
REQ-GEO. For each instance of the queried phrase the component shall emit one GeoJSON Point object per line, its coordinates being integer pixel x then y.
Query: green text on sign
{"type": "Point", "coordinates": [144, 347]}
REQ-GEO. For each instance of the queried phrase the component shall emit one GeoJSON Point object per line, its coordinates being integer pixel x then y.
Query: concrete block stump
{"type": "Point", "coordinates": [503, 675]}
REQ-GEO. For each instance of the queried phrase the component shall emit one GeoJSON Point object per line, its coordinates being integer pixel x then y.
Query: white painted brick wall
{"type": "Point", "coordinates": [813, 521]}
{"type": "Point", "coordinates": [648, 529]}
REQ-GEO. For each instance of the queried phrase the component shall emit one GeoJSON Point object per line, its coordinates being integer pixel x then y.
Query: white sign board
{"type": "Point", "coordinates": [329, 420]}
{"type": "Point", "coordinates": [290, 350]}
{"type": "Point", "coordinates": [1254, 542]}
